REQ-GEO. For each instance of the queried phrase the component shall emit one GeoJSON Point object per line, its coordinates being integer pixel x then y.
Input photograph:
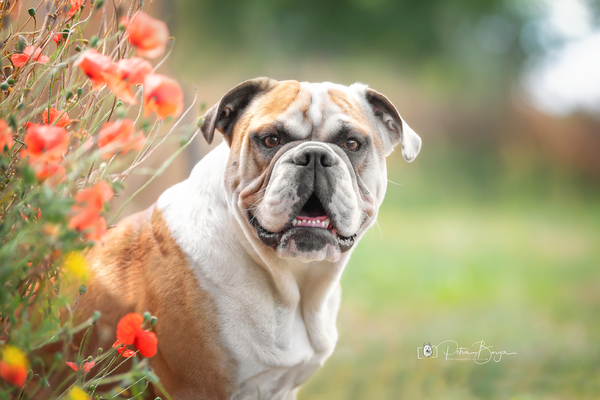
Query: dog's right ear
{"type": "Point", "coordinates": [223, 115]}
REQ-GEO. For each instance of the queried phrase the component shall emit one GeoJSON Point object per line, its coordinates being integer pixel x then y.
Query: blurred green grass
{"type": "Point", "coordinates": [472, 248]}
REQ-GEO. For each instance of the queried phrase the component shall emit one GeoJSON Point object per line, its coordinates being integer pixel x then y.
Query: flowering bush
{"type": "Point", "coordinates": [76, 118]}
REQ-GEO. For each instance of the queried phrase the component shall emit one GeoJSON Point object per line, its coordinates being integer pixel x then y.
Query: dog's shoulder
{"type": "Point", "coordinates": [139, 268]}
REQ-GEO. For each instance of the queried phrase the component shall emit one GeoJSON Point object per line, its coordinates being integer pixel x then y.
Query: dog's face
{"type": "Point", "coordinates": [306, 170]}
{"type": "Point", "coordinates": [427, 351]}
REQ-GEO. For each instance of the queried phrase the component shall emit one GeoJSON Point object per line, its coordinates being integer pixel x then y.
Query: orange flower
{"type": "Point", "coordinates": [85, 368]}
{"type": "Point", "coordinates": [13, 366]}
{"type": "Point", "coordinates": [130, 71]}
{"type": "Point", "coordinates": [119, 137]}
{"type": "Point", "coordinates": [87, 208]}
{"type": "Point", "coordinates": [61, 115]}
{"type": "Point", "coordinates": [123, 350]}
{"type": "Point", "coordinates": [45, 143]}
{"type": "Point", "coordinates": [75, 6]}
{"type": "Point", "coordinates": [149, 35]}
{"type": "Point", "coordinates": [6, 138]}
{"type": "Point", "coordinates": [19, 60]}
{"type": "Point", "coordinates": [163, 95]}
{"type": "Point", "coordinates": [99, 68]}
{"type": "Point", "coordinates": [129, 331]}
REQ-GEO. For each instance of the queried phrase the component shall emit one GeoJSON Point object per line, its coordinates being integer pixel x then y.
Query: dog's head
{"type": "Point", "coordinates": [306, 171]}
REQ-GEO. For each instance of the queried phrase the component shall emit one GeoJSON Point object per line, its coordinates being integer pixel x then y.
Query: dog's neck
{"type": "Point", "coordinates": [256, 284]}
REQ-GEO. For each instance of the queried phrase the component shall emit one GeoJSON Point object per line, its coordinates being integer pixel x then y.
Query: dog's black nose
{"type": "Point", "coordinates": [307, 156]}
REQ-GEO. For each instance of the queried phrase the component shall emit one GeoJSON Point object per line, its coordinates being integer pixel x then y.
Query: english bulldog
{"type": "Point", "coordinates": [241, 262]}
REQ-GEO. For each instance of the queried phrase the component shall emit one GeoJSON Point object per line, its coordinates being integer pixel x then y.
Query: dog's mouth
{"type": "Point", "coordinates": [311, 221]}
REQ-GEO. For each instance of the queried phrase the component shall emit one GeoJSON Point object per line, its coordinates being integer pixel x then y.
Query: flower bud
{"type": "Point", "coordinates": [11, 81]}
{"type": "Point", "coordinates": [146, 316]}
{"type": "Point", "coordinates": [96, 315]}
{"type": "Point", "coordinates": [82, 289]}
{"type": "Point", "coordinates": [153, 321]}
{"type": "Point", "coordinates": [100, 350]}
{"type": "Point", "coordinates": [94, 41]}
{"type": "Point", "coordinates": [119, 103]}
{"type": "Point", "coordinates": [77, 49]}
{"type": "Point", "coordinates": [31, 12]}
{"type": "Point", "coordinates": [200, 122]}
{"type": "Point", "coordinates": [99, 3]}
{"type": "Point", "coordinates": [57, 357]}
{"type": "Point", "coordinates": [68, 95]}
{"type": "Point", "coordinates": [4, 86]}
{"type": "Point", "coordinates": [20, 45]}
{"type": "Point", "coordinates": [79, 92]}
{"type": "Point", "coordinates": [92, 388]}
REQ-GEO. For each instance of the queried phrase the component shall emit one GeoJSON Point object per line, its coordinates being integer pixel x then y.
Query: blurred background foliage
{"type": "Point", "coordinates": [493, 232]}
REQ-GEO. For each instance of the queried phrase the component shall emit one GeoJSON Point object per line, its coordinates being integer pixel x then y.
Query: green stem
{"type": "Point", "coordinates": [157, 173]}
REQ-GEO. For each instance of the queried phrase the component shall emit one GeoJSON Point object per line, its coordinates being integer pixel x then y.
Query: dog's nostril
{"type": "Point", "coordinates": [302, 159]}
{"type": "Point", "coordinates": [327, 160]}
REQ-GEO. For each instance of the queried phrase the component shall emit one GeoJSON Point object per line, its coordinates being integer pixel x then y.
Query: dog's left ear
{"type": "Point", "coordinates": [392, 127]}
{"type": "Point", "coordinates": [223, 115]}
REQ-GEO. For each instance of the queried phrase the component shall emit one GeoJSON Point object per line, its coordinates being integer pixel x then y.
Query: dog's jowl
{"type": "Point", "coordinates": [241, 263]}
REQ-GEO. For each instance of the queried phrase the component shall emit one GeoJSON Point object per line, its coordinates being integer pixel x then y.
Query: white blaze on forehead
{"type": "Point", "coordinates": [313, 110]}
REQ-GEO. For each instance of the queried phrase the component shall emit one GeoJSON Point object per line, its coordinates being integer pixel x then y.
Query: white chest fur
{"type": "Point", "coordinates": [279, 329]}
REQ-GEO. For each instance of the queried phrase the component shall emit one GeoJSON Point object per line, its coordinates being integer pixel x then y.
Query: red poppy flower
{"type": "Point", "coordinates": [45, 143]}
{"type": "Point", "coordinates": [119, 137]}
{"type": "Point", "coordinates": [129, 331]}
{"type": "Point", "coordinates": [97, 232]}
{"type": "Point", "coordinates": [85, 368]}
{"type": "Point", "coordinates": [13, 366]}
{"type": "Point", "coordinates": [53, 171]}
{"type": "Point", "coordinates": [99, 68]}
{"type": "Point", "coordinates": [148, 35]}
{"type": "Point", "coordinates": [59, 116]}
{"type": "Point", "coordinates": [130, 71]}
{"type": "Point", "coordinates": [15, 375]}
{"type": "Point", "coordinates": [75, 6]}
{"type": "Point", "coordinates": [6, 138]}
{"type": "Point", "coordinates": [87, 208]}
{"type": "Point", "coordinates": [19, 60]}
{"type": "Point", "coordinates": [58, 39]}
{"type": "Point", "coordinates": [89, 142]}
{"type": "Point", "coordinates": [163, 95]}
{"type": "Point", "coordinates": [123, 350]}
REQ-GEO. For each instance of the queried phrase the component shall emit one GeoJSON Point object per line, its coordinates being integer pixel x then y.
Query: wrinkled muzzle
{"type": "Point", "coordinates": [311, 202]}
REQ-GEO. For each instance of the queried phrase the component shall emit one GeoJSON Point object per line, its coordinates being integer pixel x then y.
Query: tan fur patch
{"type": "Point", "coordinates": [353, 109]}
{"type": "Point", "coordinates": [141, 268]}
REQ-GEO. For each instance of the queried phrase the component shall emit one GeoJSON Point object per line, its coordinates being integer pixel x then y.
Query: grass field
{"type": "Point", "coordinates": [514, 262]}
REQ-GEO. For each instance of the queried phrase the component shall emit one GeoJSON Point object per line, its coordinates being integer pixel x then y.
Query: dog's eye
{"type": "Point", "coordinates": [271, 141]}
{"type": "Point", "coordinates": [351, 144]}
